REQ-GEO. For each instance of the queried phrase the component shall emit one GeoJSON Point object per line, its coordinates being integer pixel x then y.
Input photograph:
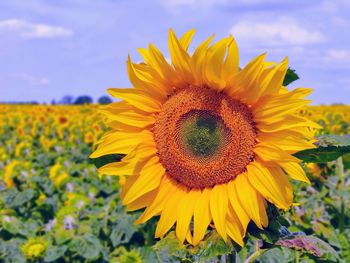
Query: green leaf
{"type": "Point", "coordinates": [55, 252]}
{"type": "Point", "coordinates": [22, 198]}
{"type": "Point", "coordinates": [169, 249]}
{"type": "Point", "coordinates": [276, 255]}
{"type": "Point", "coordinates": [106, 159]}
{"type": "Point", "coordinates": [122, 230]}
{"type": "Point", "coordinates": [213, 246]}
{"type": "Point", "coordinates": [330, 147]}
{"type": "Point", "coordinates": [310, 245]}
{"type": "Point", "coordinates": [10, 252]}
{"type": "Point", "coordinates": [290, 77]}
{"type": "Point", "coordinates": [87, 246]}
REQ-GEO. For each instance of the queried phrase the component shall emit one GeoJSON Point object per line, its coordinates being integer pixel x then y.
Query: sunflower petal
{"type": "Point", "coordinates": [158, 203]}
{"type": "Point", "coordinates": [120, 142]}
{"type": "Point", "coordinates": [236, 205]}
{"type": "Point", "coordinates": [214, 63]}
{"type": "Point", "coordinates": [136, 98]}
{"type": "Point", "coordinates": [198, 59]}
{"type": "Point", "coordinates": [295, 171]}
{"type": "Point", "coordinates": [184, 214]}
{"type": "Point", "coordinates": [143, 201]}
{"type": "Point", "coordinates": [251, 201]}
{"type": "Point", "coordinates": [234, 228]}
{"type": "Point", "coordinates": [269, 152]}
{"type": "Point", "coordinates": [218, 208]}
{"type": "Point", "coordinates": [201, 216]}
{"type": "Point", "coordinates": [231, 64]}
{"type": "Point", "coordinates": [149, 179]}
{"type": "Point", "coordinates": [273, 186]}
{"type": "Point", "coordinates": [179, 57]}
{"type": "Point", "coordinates": [244, 81]}
{"type": "Point", "coordinates": [169, 213]}
{"type": "Point", "coordinates": [186, 38]}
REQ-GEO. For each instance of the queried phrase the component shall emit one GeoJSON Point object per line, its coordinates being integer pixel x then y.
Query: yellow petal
{"type": "Point", "coordinates": [169, 213]}
{"type": "Point", "coordinates": [245, 80]}
{"type": "Point", "coordinates": [231, 65]}
{"type": "Point", "coordinates": [251, 201]}
{"type": "Point", "coordinates": [198, 59]}
{"type": "Point", "coordinates": [269, 152]}
{"type": "Point", "coordinates": [120, 142]}
{"type": "Point", "coordinates": [186, 39]}
{"type": "Point", "coordinates": [273, 186]}
{"type": "Point", "coordinates": [201, 216]}
{"type": "Point", "coordinates": [179, 57]}
{"type": "Point", "coordinates": [295, 171]}
{"type": "Point", "coordinates": [156, 60]}
{"type": "Point", "coordinates": [122, 168]}
{"type": "Point", "coordinates": [236, 205]}
{"type": "Point", "coordinates": [214, 63]}
{"type": "Point", "coordinates": [158, 203]}
{"type": "Point", "coordinates": [273, 82]}
{"type": "Point", "coordinates": [130, 117]}
{"type": "Point", "coordinates": [184, 214]}
{"type": "Point", "coordinates": [287, 122]}
{"type": "Point", "coordinates": [144, 78]}
{"type": "Point", "coordinates": [136, 98]}
{"type": "Point", "coordinates": [149, 179]}
{"type": "Point", "coordinates": [274, 111]}
{"type": "Point", "coordinates": [143, 201]}
{"type": "Point", "coordinates": [218, 208]}
{"type": "Point", "coordinates": [287, 140]}
{"type": "Point", "coordinates": [234, 228]}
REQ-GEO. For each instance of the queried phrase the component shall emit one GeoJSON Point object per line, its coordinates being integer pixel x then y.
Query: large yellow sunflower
{"type": "Point", "coordinates": [205, 142]}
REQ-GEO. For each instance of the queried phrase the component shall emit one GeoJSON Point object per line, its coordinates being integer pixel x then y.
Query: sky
{"type": "Point", "coordinates": [53, 48]}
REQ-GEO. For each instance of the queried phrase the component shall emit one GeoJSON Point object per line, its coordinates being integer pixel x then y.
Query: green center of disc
{"type": "Point", "coordinates": [202, 133]}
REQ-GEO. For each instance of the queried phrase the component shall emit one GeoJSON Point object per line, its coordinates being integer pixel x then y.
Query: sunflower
{"type": "Point", "coordinates": [205, 143]}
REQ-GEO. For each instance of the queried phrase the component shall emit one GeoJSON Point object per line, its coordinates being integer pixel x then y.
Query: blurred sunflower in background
{"type": "Point", "coordinates": [205, 143]}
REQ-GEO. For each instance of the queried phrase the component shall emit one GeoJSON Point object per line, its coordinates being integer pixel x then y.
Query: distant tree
{"type": "Point", "coordinates": [53, 102]}
{"type": "Point", "coordinates": [67, 99]}
{"type": "Point", "coordinates": [84, 99]}
{"type": "Point", "coordinates": [104, 100]}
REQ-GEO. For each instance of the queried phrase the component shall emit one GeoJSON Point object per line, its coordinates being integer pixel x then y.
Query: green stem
{"type": "Point", "coordinates": [340, 171]}
{"type": "Point", "coordinates": [253, 256]}
{"type": "Point", "coordinates": [256, 254]}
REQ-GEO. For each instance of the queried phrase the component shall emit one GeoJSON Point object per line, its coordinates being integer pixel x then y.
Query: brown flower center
{"type": "Point", "coordinates": [204, 137]}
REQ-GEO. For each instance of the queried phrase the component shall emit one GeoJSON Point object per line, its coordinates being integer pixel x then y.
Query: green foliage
{"type": "Point", "coordinates": [290, 77]}
{"type": "Point", "coordinates": [106, 159]}
{"type": "Point", "coordinates": [330, 147]}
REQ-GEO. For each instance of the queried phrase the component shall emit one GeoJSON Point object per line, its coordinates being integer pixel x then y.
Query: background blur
{"type": "Point", "coordinates": [49, 49]}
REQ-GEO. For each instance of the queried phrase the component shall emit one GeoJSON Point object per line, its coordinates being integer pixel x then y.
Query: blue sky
{"type": "Point", "coordinates": [56, 47]}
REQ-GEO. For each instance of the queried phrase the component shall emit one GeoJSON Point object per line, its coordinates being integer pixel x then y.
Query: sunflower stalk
{"type": "Point", "coordinates": [258, 251]}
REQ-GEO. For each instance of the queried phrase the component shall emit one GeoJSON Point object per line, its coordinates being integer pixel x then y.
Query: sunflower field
{"type": "Point", "coordinates": [55, 207]}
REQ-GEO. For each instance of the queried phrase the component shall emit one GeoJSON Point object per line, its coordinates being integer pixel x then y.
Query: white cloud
{"type": "Point", "coordinates": [280, 32]}
{"type": "Point", "coordinates": [32, 80]}
{"type": "Point", "coordinates": [26, 29]}
{"type": "Point", "coordinates": [338, 55]}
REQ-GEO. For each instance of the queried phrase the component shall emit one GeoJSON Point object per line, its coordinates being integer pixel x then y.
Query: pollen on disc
{"type": "Point", "coordinates": [204, 137]}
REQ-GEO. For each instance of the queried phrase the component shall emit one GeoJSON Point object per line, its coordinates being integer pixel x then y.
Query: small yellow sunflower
{"type": "Point", "coordinates": [205, 142]}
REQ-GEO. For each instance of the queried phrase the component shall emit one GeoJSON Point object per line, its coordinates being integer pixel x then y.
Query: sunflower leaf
{"type": "Point", "coordinates": [169, 249]}
{"type": "Point", "coordinates": [106, 159]}
{"type": "Point", "coordinates": [213, 246]}
{"type": "Point", "coordinates": [330, 147]}
{"type": "Point", "coordinates": [290, 77]}
{"type": "Point", "coordinates": [311, 245]}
